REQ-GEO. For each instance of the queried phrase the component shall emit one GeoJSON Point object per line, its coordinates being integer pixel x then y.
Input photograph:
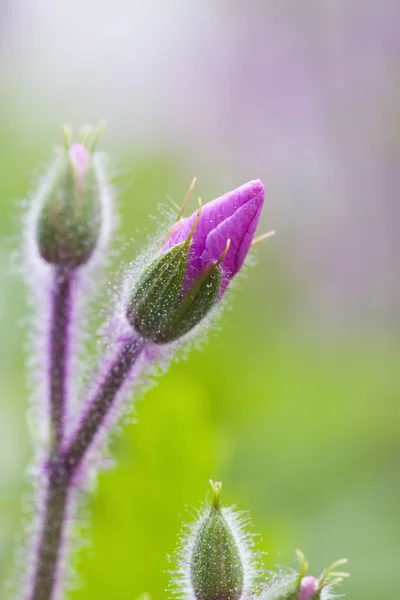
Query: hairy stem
{"type": "Point", "coordinates": [64, 465]}
{"type": "Point", "coordinates": [59, 341]}
{"type": "Point", "coordinates": [49, 550]}
{"type": "Point", "coordinates": [102, 401]}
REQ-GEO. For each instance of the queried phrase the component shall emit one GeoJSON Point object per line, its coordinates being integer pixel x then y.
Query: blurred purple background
{"type": "Point", "coordinates": [305, 95]}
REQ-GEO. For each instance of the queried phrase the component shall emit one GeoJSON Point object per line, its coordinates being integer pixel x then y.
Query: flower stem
{"type": "Point", "coordinates": [59, 340]}
{"type": "Point", "coordinates": [64, 464]}
{"type": "Point", "coordinates": [49, 551]}
{"type": "Point", "coordinates": [102, 401]}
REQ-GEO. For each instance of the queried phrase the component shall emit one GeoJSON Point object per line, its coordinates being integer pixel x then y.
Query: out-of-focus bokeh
{"type": "Point", "coordinates": [295, 404]}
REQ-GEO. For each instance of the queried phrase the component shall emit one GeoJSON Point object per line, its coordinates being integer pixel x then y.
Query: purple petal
{"type": "Point", "coordinates": [233, 216]}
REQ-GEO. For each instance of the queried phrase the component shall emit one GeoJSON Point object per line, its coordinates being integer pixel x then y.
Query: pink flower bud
{"type": "Point", "coordinates": [308, 587]}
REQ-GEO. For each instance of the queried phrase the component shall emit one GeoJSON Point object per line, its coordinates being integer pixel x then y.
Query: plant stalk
{"type": "Point", "coordinates": [59, 341]}
{"type": "Point", "coordinates": [63, 466]}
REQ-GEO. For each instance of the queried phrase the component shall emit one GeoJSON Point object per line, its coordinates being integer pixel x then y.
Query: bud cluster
{"type": "Point", "coordinates": [67, 230]}
{"type": "Point", "coordinates": [195, 264]}
{"type": "Point", "coordinates": [181, 284]}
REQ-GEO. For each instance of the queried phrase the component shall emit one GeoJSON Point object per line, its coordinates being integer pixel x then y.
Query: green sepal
{"type": "Point", "coordinates": [195, 305]}
{"type": "Point", "coordinates": [70, 218]}
{"type": "Point", "coordinates": [158, 311]}
{"type": "Point", "coordinates": [154, 301]}
{"type": "Point", "coordinates": [216, 565]}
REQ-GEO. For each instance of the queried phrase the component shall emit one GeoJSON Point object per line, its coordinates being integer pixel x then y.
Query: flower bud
{"type": "Point", "coordinates": [217, 561]}
{"type": "Point", "coordinates": [199, 258]}
{"type": "Point", "coordinates": [299, 586]}
{"type": "Point", "coordinates": [216, 566]}
{"type": "Point", "coordinates": [308, 587]}
{"type": "Point", "coordinates": [70, 215]}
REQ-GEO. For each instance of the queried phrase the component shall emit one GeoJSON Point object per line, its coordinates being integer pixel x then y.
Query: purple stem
{"type": "Point", "coordinates": [59, 353]}
{"type": "Point", "coordinates": [64, 464]}
{"type": "Point", "coordinates": [102, 401]}
{"type": "Point", "coordinates": [49, 549]}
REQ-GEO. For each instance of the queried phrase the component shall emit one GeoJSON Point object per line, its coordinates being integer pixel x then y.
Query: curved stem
{"type": "Point", "coordinates": [116, 374]}
{"type": "Point", "coordinates": [64, 465]}
{"type": "Point", "coordinates": [59, 341]}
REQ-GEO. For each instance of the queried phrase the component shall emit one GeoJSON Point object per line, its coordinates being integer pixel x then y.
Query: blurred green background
{"type": "Point", "coordinates": [294, 405]}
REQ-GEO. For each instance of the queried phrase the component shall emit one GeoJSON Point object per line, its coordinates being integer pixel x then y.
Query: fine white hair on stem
{"type": "Point", "coordinates": [60, 269]}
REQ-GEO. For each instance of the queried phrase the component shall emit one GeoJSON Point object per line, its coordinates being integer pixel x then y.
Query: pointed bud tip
{"type": "Point", "coordinates": [251, 192]}
{"type": "Point", "coordinates": [257, 188]}
{"type": "Point", "coordinates": [80, 159]}
{"type": "Point", "coordinates": [216, 493]}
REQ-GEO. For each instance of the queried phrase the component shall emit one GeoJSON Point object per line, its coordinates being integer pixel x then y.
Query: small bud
{"type": "Point", "coordinates": [199, 258]}
{"type": "Point", "coordinates": [70, 216]}
{"type": "Point", "coordinates": [217, 560]}
{"type": "Point", "coordinates": [216, 567]}
{"type": "Point", "coordinates": [308, 587]}
{"type": "Point", "coordinates": [299, 586]}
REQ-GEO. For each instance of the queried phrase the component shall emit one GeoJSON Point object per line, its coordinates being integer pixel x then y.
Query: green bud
{"type": "Point", "coordinates": [216, 564]}
{"type": "Point", "coordinates": [158, 310]}
{"type": "Point", "coordinates": [70, 217]}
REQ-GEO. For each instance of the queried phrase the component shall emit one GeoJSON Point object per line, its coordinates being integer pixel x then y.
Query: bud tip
{"type": "Point", "coordinates": [216, 493]}
{"type": "Point", "coordinates": [80, 159]}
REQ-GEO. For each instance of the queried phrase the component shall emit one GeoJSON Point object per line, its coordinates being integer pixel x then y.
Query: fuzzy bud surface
{"type": "Point", "coordinates": [216, 567]}
{"type": "Point", "coordinates": [70, 217]}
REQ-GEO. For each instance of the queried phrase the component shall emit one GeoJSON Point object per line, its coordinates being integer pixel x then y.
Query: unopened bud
{"type": "Point", "coordinates": [70, 217]}
{"type": "Point", "coordinates": [300, 586]}
{"type": "Point", "coordinates": [200, 256]}
{"type": "Point", "coordinates": [308, 587]}
{"type": "Point", "coordinates": [216, 565]}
